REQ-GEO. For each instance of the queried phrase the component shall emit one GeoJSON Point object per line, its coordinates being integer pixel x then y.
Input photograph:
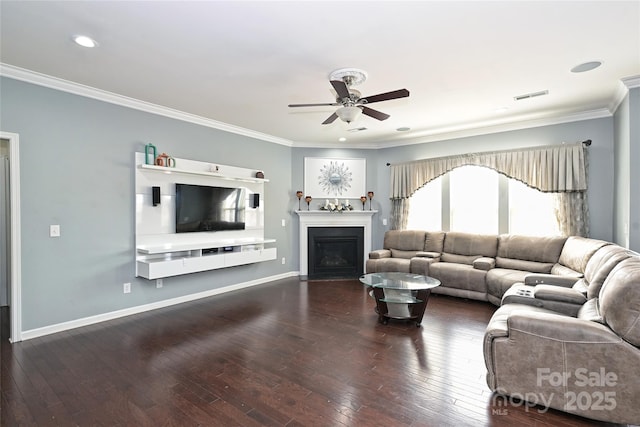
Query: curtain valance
{"type": "Point", "coordinates": [555, 168]}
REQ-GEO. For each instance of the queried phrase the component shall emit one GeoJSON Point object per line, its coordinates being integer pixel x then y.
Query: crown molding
{"type": "Point", "coordinates": [486, 128]}
{"type": "Point", "coordinates": [624, 86]}
{"type": "Point", "coordinates": [631, 82]}
{"type": "Point", "coordinates": [39, 79]}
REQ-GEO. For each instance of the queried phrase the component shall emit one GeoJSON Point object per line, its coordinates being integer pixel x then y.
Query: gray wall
{"type": "Point", "coordinates": [626, 220]}
{"type": "Point", "coordinates": [77, 170]}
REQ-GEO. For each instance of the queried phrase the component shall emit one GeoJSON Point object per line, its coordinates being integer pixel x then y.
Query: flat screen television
{"type": "Point", "coordinates": [204, 208]}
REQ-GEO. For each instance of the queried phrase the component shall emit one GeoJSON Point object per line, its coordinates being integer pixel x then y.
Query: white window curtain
{"type": "Point", "coordinates": [551, 169]}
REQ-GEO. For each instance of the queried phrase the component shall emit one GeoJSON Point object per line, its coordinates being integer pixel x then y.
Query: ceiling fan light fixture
{"type": "Point", "coordinates": [348, 114]}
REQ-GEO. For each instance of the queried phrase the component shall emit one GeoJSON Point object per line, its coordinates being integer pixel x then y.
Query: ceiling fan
{"type": "Point", "coordinates": [350, 100]}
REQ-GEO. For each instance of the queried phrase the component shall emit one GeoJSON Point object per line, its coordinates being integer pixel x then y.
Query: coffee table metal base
{"type": "Point", "coordinates": [401, 296]}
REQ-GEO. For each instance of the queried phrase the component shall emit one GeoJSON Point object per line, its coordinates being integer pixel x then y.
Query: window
{"type": "Point", "coordinates": [473, 195]}
{"type": "Point", "coordinates": [425, 210]}
{"type": "Point", "coordinates": [531, 212]}
{"type": "Point", "coordinates": [476, 199]}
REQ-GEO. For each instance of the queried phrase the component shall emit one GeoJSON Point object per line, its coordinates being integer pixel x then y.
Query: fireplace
{"type": "Point", "coordinates": [326, 220]}
{"type": "Point", "coordinates": [335, 252]}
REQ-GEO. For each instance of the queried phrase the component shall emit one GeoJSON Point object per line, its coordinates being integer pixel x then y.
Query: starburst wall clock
{"type": "Point", "coordinates": [334, 178]}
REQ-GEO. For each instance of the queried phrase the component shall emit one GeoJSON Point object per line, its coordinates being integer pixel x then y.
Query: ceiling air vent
{"type": "Point", "coordinates": [360, 129]}
{"type": "Point", "coordinates": [531, 95]}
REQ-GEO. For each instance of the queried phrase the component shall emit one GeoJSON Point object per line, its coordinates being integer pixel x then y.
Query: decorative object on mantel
{"type": "Point", "coordinates": [260, 174]}
{"type": "Point", "coordinates": [214, 168]}
{"type": "Point", "coordinates": [363, 199]}
{"type": "Point", "coordinates": [370, 194]}
{"type": "Point", "coordinates": [337, 206]}
{"type": "Point", "coordinates": [299, 196]}
{"type": "Point", "coordinates": [150, 154]}
{"type": "Point", "coordinates": [308, 200]}
{"type": "Point", "coordinates": [165, 160]}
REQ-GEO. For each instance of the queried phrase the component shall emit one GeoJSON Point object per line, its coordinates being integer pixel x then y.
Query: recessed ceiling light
{"type": "Point", "coordinates": [85, 41]}
{"type": "Point", "coordinates": [403, 129]}
{"type": "Point", "coordinates": [342, 139]}
{"type": "Point", "coordinates": [587, 66]}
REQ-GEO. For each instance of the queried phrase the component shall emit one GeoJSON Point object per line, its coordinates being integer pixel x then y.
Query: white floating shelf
{"type": "Point", "coordinates": [188, 246]}
{"type": "Point", "coordinates": [169, 170]}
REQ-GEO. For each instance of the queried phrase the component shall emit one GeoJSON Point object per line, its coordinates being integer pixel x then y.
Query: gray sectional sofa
{"type": "Point", "coordinates": [566, 334]}
{"type": "Point", "coordinates": [481, 267]}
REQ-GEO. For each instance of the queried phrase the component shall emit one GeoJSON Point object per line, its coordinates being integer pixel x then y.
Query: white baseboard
{"type": "Point", "coordinates": [86, 321]}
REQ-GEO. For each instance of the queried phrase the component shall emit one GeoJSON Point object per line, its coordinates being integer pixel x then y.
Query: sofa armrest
{"type": "Point", "coordinates": [550, 279]}
{"type": "Point", "coordinates": [559, 294]}
{"type": "Point", "coordinates": [559, 327]}
{"type": "Point", "coordinates": [380, 253]}
{"type": "Point", "coordinates": [428, 254]}
{"type": "Point", "coordinates": [484, 263]}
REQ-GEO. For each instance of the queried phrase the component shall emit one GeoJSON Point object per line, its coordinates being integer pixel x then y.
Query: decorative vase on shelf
{"type": "Point", "coordinates": [150, 154]}
{"type": "Point", "coordinates": [299, 196]}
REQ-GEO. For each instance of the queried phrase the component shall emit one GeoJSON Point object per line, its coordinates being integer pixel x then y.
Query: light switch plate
{"type": "Point", "coordinates": [54, 231]}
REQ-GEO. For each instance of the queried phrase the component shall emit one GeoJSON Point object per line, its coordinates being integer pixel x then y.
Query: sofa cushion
{"type": "Point", "coordinates": [500, 279]}
{"type": "Point", "coordinates": [620, 300]}
{"type": "Point", "coordinates": [388, 264]}
{"type": "Point", "coordinates": [426, 254]}
{"type": "Point", "coordinates": [600, 265]}
{"type": "Point", "coordinates": [405, 240]}
{"type": "Point", "coordinates": [484, 263]}
{"type": "Point", "coordinates": [380, 253]}
{"type": "Point", "coordinates": [459, 276]}
{"type": "Point", "coordinates": [520, 264]}
{"type": "Point", "coordinates": [560, 270]}
{"type": "Point", "coordinates": [434, 241]}
{"type": "Point", "coordinates": [397, 253]}
{"type": "Point", "coordinates": [591, 311]}
{"type": "Point", "coordinates": [530, 248]}
{"type": "Point", "coordinates": [458, 259]}
{"type": "Point", "coordinates": [470, 244]}
{"type": "Point", "coordinates": [577, 251]}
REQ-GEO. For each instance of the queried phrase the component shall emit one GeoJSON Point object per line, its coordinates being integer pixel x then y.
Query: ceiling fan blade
{"type": "Point", "coordinates": [374, 113]}
{"type": "Point", "coordinates": [341, 88]}
{"type": "Point", "coordinates": [327, 104]}
{"type": "Point", "coordinates": [331, 119]}
{"type": "Point", "coordinates": [400, 93]}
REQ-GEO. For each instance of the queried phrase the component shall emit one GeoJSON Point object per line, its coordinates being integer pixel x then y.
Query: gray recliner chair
{"type": "Point", "coordinates": [585, 364]}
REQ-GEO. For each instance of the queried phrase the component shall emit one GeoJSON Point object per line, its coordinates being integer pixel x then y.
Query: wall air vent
{"type": "Point", "coordinates": [531, 95]}
{"type": "Point", "coordinates": [360, 129]}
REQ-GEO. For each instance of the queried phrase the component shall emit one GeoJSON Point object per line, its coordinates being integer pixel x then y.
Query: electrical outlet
{"type": "Point", "coordinates": [54, 231]}
{"type": "Point", "coordinates": [284, 223]}
{"type": "Point", "coordinates": [283, 260]}
{"type": "Point", "coordinates": [127, 288]}
{"type": "Point", "coordinates": [158, 283]}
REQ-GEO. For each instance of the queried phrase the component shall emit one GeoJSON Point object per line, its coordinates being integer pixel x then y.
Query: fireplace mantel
{"type": "Point", "coordinates": [318, 218]}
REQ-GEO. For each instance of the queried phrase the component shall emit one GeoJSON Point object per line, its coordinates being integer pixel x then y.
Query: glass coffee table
{"type": "Point", "coordinates": [400, 295]}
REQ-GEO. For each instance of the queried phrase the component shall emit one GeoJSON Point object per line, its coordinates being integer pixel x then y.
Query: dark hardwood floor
{"type": "Point", "coordinates": [289, 353]}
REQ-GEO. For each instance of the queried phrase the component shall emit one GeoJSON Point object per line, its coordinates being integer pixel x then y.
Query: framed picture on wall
{"type": "Point", "coordinates": [327, 178]}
